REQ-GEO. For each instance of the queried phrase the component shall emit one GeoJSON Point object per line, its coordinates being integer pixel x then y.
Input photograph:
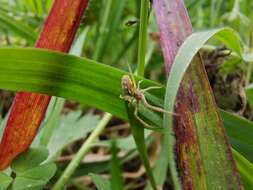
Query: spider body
{"type": "Point", "coordinates": [133, 94]}
{"type": "Point", "coordinates": [130, 89]}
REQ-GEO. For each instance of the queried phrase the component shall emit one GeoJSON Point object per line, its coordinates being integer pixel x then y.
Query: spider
{"type": "Point", "coordinates": [133, 94]}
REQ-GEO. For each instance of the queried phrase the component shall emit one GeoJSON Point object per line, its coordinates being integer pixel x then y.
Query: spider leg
{"type": "Point", "coordinates": [126, 98]}
{"type": "Point", "coordinates": [139, 83]}
{"type": "Point", "coordinates": [150, 88]}
{"type": "Point", "coordinates": [131, 102]}
{"type": "Point", "coordinates": [145, 125]}
{"type": "Point", "coordinates": [155, 108]}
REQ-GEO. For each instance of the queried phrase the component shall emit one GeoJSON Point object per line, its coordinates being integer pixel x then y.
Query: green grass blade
{"type": "Point", "coordinates": [58, 103]}
{"type": "Point", "coordinates": [5, 181]}
{"type": "Point", "coordinates": [67, 76]}
{"type": "Point", "coordinates": [100, 182]}
{"type": "Point", "coordinates": [246, 170]}
{"type": "Point", "coordinates": [49, 72]}
{"type": "Point", "coordinates": [138, 133]}
{"type": "Point", "coordinates": [240, 133]}
{"type": "Point", "coordinates": [142, 36]}
{"type": "Point", "coordinates": [116, 178]}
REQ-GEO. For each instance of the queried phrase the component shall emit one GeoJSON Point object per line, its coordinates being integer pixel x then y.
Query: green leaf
{"type": "Point", "coordinates": [138, 133]}
{"type": "Point", "coordinates": [183, 59]}
{"type": "Point", "coordinates": [246, 170]}
{"type": "Point", "coordinates": [72, 128]}
{"type": "Point", "coordinates": [56, 104]}
{"type": "Point", "coordinates": [34, 178]}
{"type": "Point", "coordinates": [116, 178]}
{"type": "Point", "coordinates": [100, 182]}
{"type": "Point", "coordinates": [31, 158]}
{"type": "Point", "coordinates": [30, 173]}
{"type": "Point", "coordinates": [249, 94]}
{"type": "Point", "coordinates": [240, 133]}
{"type": "Point", "coordinates": [5, 181]}
{"type": "Point", "coordinates": [67, 76]}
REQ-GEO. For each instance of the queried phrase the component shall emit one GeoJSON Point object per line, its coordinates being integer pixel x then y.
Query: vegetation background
{"type": "Point", "coordinates": [109, 34]}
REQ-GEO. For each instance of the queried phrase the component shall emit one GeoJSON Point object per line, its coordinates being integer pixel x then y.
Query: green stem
{"type": "Point", "coordinates": [142, 36]}
{"type": "Point", "coordinates": [81, 153]}
{"type": "Point", "coordinates": [137, 129]}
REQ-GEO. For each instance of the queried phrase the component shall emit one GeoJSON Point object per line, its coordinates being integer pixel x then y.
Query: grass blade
{"type": "Point", "coordinates": [240, 133]}
{"type": "Point", "coordinates": [116, 178]}
{"type": "Point", "coordinates": [100, 182]}
{"type": "Point", "coordinates": [246, 170]}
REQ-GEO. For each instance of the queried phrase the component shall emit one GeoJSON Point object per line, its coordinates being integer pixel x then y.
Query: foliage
{"type": "Point", "coordinates": [108, 39]}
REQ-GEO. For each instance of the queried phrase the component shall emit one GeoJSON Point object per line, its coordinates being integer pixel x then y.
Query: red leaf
{"type": "Point", "coordinates": [28, 109]}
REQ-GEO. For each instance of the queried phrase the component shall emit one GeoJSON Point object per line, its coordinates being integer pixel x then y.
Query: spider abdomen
{"type": "Point", "coordinates": [127, 85]}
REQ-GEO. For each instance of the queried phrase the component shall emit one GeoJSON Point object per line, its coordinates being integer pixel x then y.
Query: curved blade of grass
{"type": "Point", "coordinates": [67, 76]}
{"type": "Point", "coordinates": [182, 61]}
{"type": "Point", "coordinates": [17, 27]}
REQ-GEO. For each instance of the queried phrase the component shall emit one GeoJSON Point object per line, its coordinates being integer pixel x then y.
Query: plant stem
{"type": "Point", "coordinates": [142, 36]}
{"type": "Point", "coordinates": [82, 152]}
{"type": "Point", "coordinates": [137, 129]}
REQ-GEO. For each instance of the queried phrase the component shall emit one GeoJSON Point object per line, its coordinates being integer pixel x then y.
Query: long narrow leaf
{"type": "Point", "coordinates": [29, 109]}
{"type": "Point", "coordinates": [204, 158]}
{"type": "Point", "coordinates": [240, 133]}
{"type": "Point", "coordinates": [46, 78]}
{"type": "Point", "coordinates": [246, 170]}
{"type": "Point", "coordinates": [67, 76]}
